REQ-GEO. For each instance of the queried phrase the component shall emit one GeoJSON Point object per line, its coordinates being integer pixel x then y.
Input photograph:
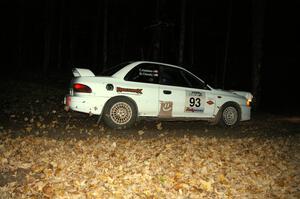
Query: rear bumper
{"type": "Point", "coordinates": [85, 104]}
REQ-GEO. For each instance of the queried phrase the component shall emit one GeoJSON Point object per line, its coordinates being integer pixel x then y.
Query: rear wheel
{"type": "Point", "coordinates": [120, 113]}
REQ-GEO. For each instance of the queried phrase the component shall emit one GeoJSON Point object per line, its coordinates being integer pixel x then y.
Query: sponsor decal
{"type": "Point", "coordinates": [209, 102]}
{"type": "Point", "coordinates": [166, 108]}
{"type": "Point", "coordinates": [130, 90]}
{"type": "Point", "coordinates": [194, 101]}
{"type": "Point", "coordinates": [194, 93]}
{"type": "Point", "coordinates": [188, 109]}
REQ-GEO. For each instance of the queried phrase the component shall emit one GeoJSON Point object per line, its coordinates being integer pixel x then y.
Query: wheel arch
{"type": "Point", "coordinates": [232, 103]}
{"type": "Point", "coordinates": [120, 96]}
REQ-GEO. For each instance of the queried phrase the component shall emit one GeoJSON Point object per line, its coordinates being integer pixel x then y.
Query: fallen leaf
{"type": "Point", "coordinates": [141, 132]}
{"type": "Point", "coordinates": [48, 190]}
{"type": "Point", "coordinates": [114, 144]}
{"type": "Point", "coordinates": [159, 126]}
{"type": "Point", "coordinates": [206, 185]}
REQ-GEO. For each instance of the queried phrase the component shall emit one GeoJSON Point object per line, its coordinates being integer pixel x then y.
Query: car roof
{"type": "Point", "coordinates": [122, 72]}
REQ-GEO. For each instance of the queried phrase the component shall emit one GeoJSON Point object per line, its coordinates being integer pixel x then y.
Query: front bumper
{"type": "Point", "coordinates": [245, 113]}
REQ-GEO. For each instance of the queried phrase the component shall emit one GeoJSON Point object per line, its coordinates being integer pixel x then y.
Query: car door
{"type": "Point", "coordinates": [182, 94]}
{"type": "Point", "coordinates": [144, 78]}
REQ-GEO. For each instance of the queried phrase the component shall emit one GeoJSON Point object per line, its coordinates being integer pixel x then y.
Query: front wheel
{"type": "Point", "coordinates": [229, 115]}
{"type": "Point", "coordinates": [120, 113]}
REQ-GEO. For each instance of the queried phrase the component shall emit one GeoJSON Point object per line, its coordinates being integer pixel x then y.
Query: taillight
{"type": "Point", "coordinates": [81, 88]}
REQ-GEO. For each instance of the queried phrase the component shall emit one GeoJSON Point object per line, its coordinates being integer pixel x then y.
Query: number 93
{"type": "Point", "coordinates": [195, 102]}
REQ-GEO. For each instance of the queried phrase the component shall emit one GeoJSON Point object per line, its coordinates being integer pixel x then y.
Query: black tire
{"type": "Point", "coordinates": [120, 113]}
{"type": "Point", "coordinates": [229, 115]}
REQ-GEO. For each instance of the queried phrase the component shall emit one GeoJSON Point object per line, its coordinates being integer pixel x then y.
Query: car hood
{"type": "Point", "coordinates": [244, 94]}
{"type": "Point", "coordinates": [82, 72]}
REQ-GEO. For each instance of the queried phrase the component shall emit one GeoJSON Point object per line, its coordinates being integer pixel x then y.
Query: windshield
{"type": "Point", "coordinates": [112, 70]}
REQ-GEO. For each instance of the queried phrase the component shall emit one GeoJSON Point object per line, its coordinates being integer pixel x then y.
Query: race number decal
{"type": "Point", "coordinates": [194, 101]}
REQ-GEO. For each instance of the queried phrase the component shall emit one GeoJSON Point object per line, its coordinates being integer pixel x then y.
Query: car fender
{"type": "Point", "coordinates": [220, 109]}
{"type": "Point", "coordinates": [120, 96]}
{"type": "Point", "coordinates": [222, 100]}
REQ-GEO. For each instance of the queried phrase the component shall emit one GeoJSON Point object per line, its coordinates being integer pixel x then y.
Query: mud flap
{"type": "Point", "coordinates": [99, 119]}
{"type": "Point", "coordinates": [216, 120]}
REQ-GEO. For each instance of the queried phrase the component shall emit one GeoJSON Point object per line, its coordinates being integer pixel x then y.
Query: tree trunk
{"type": "Point", "coordinates": [156, 33]}
{"type": "Point", "coordinates": [124, 35]}
{"type": "Point", "coordinates": [60, 34]}
{"type": "Point", "coordinates": [258, 7]}
{"type": "Point", "coordinates": [71, 36]}
{"type": "Point", "coordinates": [227, 42]}
{"type": "Point", "coordinates": [47, 35]}
{"type": "Point", "coordinates": [96, 38]}
{"type": "Point", "coordinates": [20, 35]}
{"type": "Point", "coordinates": [105, 34]}
{"type": "Point", "coordinates": [182, 33]}
{"type": "Point", "coordinates": [124, 42]}
{"type": "Point", "coordinates": [191, 37]}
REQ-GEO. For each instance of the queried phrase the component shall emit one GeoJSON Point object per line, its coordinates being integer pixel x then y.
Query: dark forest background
{"type": "Point", "coordinates": [248, 45]}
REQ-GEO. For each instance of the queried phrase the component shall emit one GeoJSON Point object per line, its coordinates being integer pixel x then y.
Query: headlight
{"type": "Point", "coordinates": [248, 103]}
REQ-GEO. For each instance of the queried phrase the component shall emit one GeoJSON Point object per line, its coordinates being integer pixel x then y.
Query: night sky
{"type": "Point", "coordinates": [69, 34]}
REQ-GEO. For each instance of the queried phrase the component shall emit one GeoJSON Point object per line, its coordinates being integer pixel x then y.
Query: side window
{"type": "Point", "coordinates": [145, 73]}
{"type": "Point", "coordinates": [193, 81]}
{"type": "Point", "coordinates": [177, 77]}
{"type": "Point", "coordinates": [173, 77]}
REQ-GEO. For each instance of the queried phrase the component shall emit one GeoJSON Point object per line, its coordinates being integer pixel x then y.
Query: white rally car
{"type": "Point", "coordinates": [132, 90]}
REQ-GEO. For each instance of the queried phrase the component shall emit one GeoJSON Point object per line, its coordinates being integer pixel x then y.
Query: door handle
{"type": "Point", "coordinates": [167, 92]}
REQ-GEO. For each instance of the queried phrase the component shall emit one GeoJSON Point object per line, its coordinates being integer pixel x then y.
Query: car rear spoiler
{"type": "Point", "coordinates": [82, 72]}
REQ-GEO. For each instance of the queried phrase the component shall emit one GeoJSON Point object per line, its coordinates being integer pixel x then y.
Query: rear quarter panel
{"type": "Point", "coordinates": [146, 100]}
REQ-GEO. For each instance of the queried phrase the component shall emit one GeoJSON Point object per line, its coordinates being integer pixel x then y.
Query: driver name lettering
{"type": "Point", "coordinates": [147, 72]}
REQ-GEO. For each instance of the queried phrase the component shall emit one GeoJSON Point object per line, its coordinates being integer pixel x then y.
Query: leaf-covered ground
{"type": "Point", "coordinates": [46, 152]}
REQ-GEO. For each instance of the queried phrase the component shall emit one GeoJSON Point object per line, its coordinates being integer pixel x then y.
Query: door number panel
{"type": "Point", "coordinates": [194, 101]}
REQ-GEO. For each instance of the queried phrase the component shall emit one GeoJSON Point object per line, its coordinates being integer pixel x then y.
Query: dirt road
{"type": "Point", "coordinates": [46, 152]}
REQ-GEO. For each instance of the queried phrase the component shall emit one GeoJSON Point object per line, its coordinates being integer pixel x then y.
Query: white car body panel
{"type": "Point", "coordinates": [150, 99]}
{"type": "Point", "coordinates": [180, 97]}
{"type": "Point", "coordinates": [146, 102]}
